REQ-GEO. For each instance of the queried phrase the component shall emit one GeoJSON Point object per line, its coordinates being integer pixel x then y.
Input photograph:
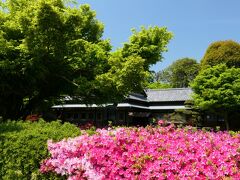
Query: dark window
{"type": "Point", "coordinates": [83, 116]}
{"type": "Point", "coordinates": [68, 115]}
{"type": "Point", "coordinates": [75, 116]}
{"type": "Point", "coordinates": [90, 116]}
{"type": "Point", "coordinates": [99, 116]}
{"type": "Point", "coordinates": [111, 115]}
{"type": "Point", "coordinates": [212, 118]}
{"type": "Point", "coordinates": [121, 116]}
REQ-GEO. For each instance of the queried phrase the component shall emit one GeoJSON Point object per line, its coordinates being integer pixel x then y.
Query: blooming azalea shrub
{"type": "Point", "coordinates": [146, 153]}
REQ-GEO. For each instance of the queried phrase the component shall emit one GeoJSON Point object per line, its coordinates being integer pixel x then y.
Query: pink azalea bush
{"type": "Point", "coordinates": [146, 153]}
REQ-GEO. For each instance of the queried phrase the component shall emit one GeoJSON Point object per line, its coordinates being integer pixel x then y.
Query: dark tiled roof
{"type": "Point", "coordinates": [137, 96]}
{"type": "Point", "coordinates": [173, 94]}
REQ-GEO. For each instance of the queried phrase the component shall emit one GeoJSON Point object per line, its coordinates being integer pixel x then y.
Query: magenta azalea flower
{"type": "Point", "coordinates": [146, 153]}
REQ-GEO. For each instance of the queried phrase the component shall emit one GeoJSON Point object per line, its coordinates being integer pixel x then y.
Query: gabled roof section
{"type": "Point", "coordinates": [166, 95]}
{"type": "Point", "coordinates": [138, 97]}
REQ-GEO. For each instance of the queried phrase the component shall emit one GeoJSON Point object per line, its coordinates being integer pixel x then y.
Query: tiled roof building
{"type": "Point", "coordinates": [136, 107]}
{"type": "Point", "coordinates": [168, 95]}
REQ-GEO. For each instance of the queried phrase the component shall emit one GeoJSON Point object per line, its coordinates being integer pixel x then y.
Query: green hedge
{"type": "Point", "coordinates": [23, 145]}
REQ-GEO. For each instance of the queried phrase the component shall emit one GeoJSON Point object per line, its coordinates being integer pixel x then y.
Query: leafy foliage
{"type": "Point", "coordinates": [227, 52]}
{"type": "Point", "coordinates": [130, 65]}
{"type": "Point", "coordinates": [148, 44]}
{"type": "Point", "coordinates": [40, 54]}
{"type": "Point", "coordinates": [218, 89]}
{"type": "Point", "coordinates": [158, 85]}
{"type": "Point", "coordinates": [49, 49]}
{"type": "Point", "coordinates": [180, 73]}
{"type": "Point", "coordinates": [23, 145]}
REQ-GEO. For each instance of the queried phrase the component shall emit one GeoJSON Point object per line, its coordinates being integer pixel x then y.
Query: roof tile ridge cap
{"type": "Point", "coordinates": [167, 89]}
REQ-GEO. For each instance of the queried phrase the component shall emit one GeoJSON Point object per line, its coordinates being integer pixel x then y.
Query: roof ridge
{"type": "Point", "coordinates": [168, 89]}
{"type": "Point", "coordinates": [138, 94]}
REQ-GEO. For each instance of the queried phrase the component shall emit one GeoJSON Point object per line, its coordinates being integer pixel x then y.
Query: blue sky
{"type": "Point", "coordinates": [194, 23]}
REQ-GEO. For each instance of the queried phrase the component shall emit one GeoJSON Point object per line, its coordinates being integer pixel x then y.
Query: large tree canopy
{"type": "Point", "coordinates": [130, 65]}
{"type": "Point", "coordinates": [48, 49]}
{"type": "Point", "coordinates": [227, 52]}
{"type": "Point", "coordinates": [180, 73]}
{"type": "Point", "coordinates": [218, 89]}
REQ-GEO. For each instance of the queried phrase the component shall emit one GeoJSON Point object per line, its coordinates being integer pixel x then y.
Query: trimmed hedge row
{"type": "Point", "coordinates": [23, 145]}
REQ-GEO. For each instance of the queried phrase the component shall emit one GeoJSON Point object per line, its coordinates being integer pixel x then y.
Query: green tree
{"type": "Point", "coordinates": [149, 44]}
{"type": "Point", "coordinates": [158, 85]}
{"type": "Point", "coordinates": [154, 83]}
{"type": "Point", "coordinates": [43, 52]}
{"type": "Point", "coordinates": [227, 52]}
{"type": "Point", "coordinates": [130, 65]}
{"type": "Point", "coordinates": [48, 49]}
{"type": "Point", "coordinates": [218, 89]}
{"type": "Point", "coordinates": [180, 73]}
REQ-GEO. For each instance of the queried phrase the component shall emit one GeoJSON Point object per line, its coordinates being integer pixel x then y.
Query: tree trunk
{"type": "Point", "coordinates": [226, 120]}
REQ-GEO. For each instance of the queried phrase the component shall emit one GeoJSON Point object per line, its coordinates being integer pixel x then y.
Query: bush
{"type": "Point", "coordinates": [23, 145]}
{"type": "Point", "coordinates": [146, 153]}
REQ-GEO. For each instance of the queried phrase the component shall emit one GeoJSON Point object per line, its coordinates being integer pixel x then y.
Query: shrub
{"type": "Point", "coordinates": [23, 145]}
{"type": "Point", "coordinates": [146, 153]}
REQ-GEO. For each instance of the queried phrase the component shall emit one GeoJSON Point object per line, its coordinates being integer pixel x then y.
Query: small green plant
{"type": "Point", "coordinates": [91, 130]}
{"type": "Point", "coordinates": [205, 129]}
{"type": "Point", "coordinates": [218, 128]}
{"type": "Point", "coordinates": [110, 123]}
{"type": "Point", "coordinates": [234, 133]}
{"type": "Point", "coordinates": [153, 121]}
